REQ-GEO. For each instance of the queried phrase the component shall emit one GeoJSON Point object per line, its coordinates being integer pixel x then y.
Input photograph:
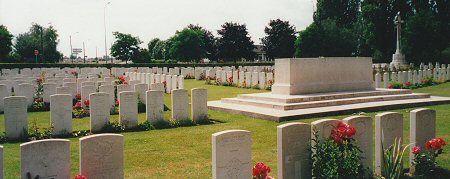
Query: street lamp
{"type": "Point", "coordinates": [71, 49]}
{"type": "Point", "coordinates": [104, 25]}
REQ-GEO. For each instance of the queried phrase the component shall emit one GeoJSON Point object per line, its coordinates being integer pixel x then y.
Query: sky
{"type": "Point", "coordinates": [83, 20]}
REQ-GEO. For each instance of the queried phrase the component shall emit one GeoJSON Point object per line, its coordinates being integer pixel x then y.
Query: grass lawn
{"type": "Point", "coordinates": [186, 152]}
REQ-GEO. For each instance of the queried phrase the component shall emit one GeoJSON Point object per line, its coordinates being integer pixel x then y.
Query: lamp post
{"type": "Point", "coordinates": [71, 49]}
{"type": "Point", "coordinates": [104, 25]}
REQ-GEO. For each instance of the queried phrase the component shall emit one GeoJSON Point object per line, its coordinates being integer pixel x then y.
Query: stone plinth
{"type": "Point", "coordinates": [319, 75]}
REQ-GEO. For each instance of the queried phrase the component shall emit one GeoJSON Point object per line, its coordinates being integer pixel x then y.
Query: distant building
{"type": "Point", "coordinates": [260, 53]}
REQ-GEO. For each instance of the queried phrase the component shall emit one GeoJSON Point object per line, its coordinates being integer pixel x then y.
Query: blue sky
{"type": "Point", "coordinates": [146, 18]}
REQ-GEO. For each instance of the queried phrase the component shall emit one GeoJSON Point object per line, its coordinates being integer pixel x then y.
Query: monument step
{"type": "Point", "coordinates": [322, 103]}
{"type": "Point", "coordinates": [321, 96]}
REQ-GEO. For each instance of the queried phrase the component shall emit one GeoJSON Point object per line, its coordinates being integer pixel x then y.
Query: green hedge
{"type": "Point", "coordinates": [169, 65]}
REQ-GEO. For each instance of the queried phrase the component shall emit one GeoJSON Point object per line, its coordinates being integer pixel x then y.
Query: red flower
{"type": "Point", "coordinates": [117, 102]}
{"type": "Point", "coordinates": [260, 170]}
{"type": "Point", "coordinates": [125, 83]}
{"type": "Point", "coordinates": [77, 105]}
{"type": "Point", "coordinates": [87, 103]}
{"type": "Point", "coordinates": [341, 132]}
{"type": "Point", "coordinates": [416, 150]}
{"type": "Point", "coordinates": [78, 96]}
{"type": "Point", "coordinates": [408, 83]}
{"type": "Point", "coordinates": [39, 80]}
{"type": "Point", "coordinates": [435, 144]}
{"type": "Point", "coordinates": [79, 177]}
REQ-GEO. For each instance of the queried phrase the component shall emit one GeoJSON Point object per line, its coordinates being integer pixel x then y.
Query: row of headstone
{"type": "Point", "coordinates": [260, 80]}
{"type": "Point", "coordinates": [170, 82]}
{"type": "Point", "coordinates": [232, 155]}
{"type": "Point", "coordinates": [412, 77]}
{"type": "Point", "coordinates": [101, 156]}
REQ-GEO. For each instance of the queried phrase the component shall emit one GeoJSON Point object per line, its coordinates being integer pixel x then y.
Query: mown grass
{"type": "Point", "coordinates": [185, 152]}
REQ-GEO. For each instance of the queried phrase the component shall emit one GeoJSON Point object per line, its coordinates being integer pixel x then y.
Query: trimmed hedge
{"type": "Point", "coordinates": [169, 65]}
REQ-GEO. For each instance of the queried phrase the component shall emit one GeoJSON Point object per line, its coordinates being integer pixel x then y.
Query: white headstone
{"type": "Point", "coordinates": [27, 90]}
{"type": "Point", "coordinates": [72, 87]}
{"type": "Point", "coordinates": [294, 141]}
{"type": "Point", "coordinates": [3, 93]}
{"type": "Point", "coordinates": [128, 111]}
{"type": "Point", "coordinates": [363, 137]}
{"type": "Point", "coordinates": [199, 107]}
{"type": "Point", "coordinates": [180, 104]}
{"type": "Point", "coordinates": [232, 154]}
{"type": "Point", "coordinates": [85, 92]}
{"type": "Point", "coordinates": [48, 89]}
{"type": "Point", "coordinates": [61, 113]}
{"type": "Point", "coordinates": [422, 128]}
{"type": "Point", "coordinates": [385, 80]}
{"type": "Point", "coordinates": [389, 126]}
{"type": "Point", "coordinates": [140, 89]}
{"type": "Point", "coordinates": [99, 110]}
{"type": "Point", "coordinates": [109, 89]}
{"type": "Point", "coordinates": [157, 86]}
{"type": "Point", "coordinates": [155, 105]}
{"type": "Point", "coordinates": [49, 158]}
{"type": "Point", "coordinates": [101, 156]}
{"type": "Point", "coordinates": [181, 82]}
{"type": "Point", "coordinates": [16, 116]}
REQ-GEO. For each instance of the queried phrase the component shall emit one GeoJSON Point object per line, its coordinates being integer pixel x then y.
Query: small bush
{"type": "Point", "coordinates": [113, 127]}
{"type": "Point", "coordinates": [146, 126]}
{"type": "Point", "coordinates": [185, 123]}
{"type": "Point", "coordinates": [161, 124]}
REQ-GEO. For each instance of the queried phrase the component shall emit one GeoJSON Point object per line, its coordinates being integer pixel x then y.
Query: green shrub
{"type": "Point", "coordinates": [184, 123]}
{"type": "Point", "coordinates": [161, 124]}
{"type": "Point", "coordinates": [146, 126]}
{"type": "Point", "coordinates": [113, 127]}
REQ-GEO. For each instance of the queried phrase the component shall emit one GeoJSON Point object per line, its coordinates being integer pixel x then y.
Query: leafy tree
{"type": "Point", "coordinates": [125, 46]}
{"type": "Point", "coordinates": [5, 42]}
{"type": "Point", "coordinates": [161, 51]}
{"type": "Point", "coordinates": [209, 40]}
{"type": "Point", "coordinates": [325, 39]}
{"type": "Point", "coordinates": [142, 56]}
{"type": "Point", "coordinates": [420, 37]}
{"type": "Point", "coordinates": [279, 40]}
{"type": "Point", "coordinates": [188, 45]}
{"type": "Point", "coordinates": [151, 45]}
{"type": "Point", "coordinates": [38, 38]}
{"type": "Point", "coordinates": [344, 12]}
{"type": "Point", "coordinates": [234, 42]}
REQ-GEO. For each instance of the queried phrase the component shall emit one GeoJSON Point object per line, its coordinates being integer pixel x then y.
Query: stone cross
{"type": "Point", "coordinates": [398, 22]}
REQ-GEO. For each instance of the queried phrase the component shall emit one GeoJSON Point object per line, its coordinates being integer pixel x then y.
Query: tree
{"type": "Point", "coordinates": [5, 43]}
{"type": "Point", "coordinates": [161, 51]}
{"type": "Point", "coordinates": [209, 40]}
{"type": "Point", "coordinates": [142, 56]}
{"type": "Point", "coordinates": [38, 38]}
{"type": "Point", "coordinates": [152, 45]}
{"type": "Point", "coordinates": [188, 45]}
{"type": "Point", "coordinates": [325, 39]}
{"type": "Point", "coordinates": [344, 12]}
{"type": "Point", "coordinates": [279, 40]}
{"type": "Point", "coordinates": [125, 46]}
{"type": "Point", "coordinates": [420, 37]}
{"type": "Point", "coordinates": [234, 42]}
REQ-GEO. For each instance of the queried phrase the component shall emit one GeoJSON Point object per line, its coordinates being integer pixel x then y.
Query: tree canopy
{"type": "Point", "coordinates": [188, 45]}
{"type": "Point", "coordinates": [234, 42]}
{"type": "Point", "coordinates": [38, 38]}
{"type": "Point", "coordinates": [125, 46]}
{"type": "Point", "coordinates": [279, 40]}
{"type": "Point", "coordinates": [5, 43]}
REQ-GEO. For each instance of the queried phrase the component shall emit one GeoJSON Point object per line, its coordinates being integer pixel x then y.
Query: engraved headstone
{"type": "Point", "coordinates": [3, 93]}
{"type": "Point", "coordinates": [181, 82]}
{"type": "Point", "coordinates": [48, 89]}
{"type": "Point", "coordinates": [388, 127]}
{"type": "Point", "coordinates": [232, 154]}
{"type": "Point", "coordinates": [61, 113]}
{"type": "Point", "coordinates": [128, 110]}
{"type": "Point", "coordinates": [85, 92]}
{"type": "Point", "coordinates": [422, 128]}
{"type": "Point", "coordinates": [294, 141]}
{"type": "Point", "coordinates": [101, 156]}
{"type": "Point", "coordinates": [49, 158]}
{"type": "Point", "coordinates": [99, 110]}
{"type": "Point", "coordinates": [63, 90]}
{"type": "Point", "coordinates": [363, 136]}
{"type": "Point", "coordinates": [110, 90]}
{"type": "Point", "coordinates": [140, 90]}
{"type": "Point", "coordinates": [180, 104]}
{"type": "Point", "coordinates": [199, 107]}
{"type": "Point", "coordinates": [155, 105]}
{"type": "Point", "coordinates": [157, 87]}
{"type": "Point", "coordinates": [26, 90]}
{"type": "Point", "coordinates": [16, 116]}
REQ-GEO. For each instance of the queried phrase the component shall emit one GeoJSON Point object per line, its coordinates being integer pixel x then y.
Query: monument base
{"type": "Point", "coordinates": [290, 107]}
{"type": "Point", "coordinates": [398, 61]}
